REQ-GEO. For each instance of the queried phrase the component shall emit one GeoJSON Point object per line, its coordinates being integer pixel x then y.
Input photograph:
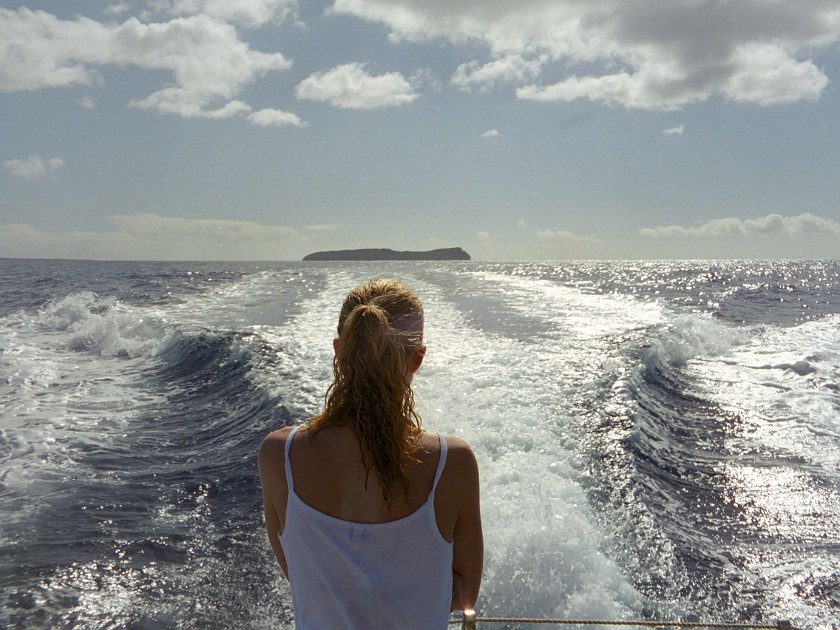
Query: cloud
{"type": "Point", "coordinates": [87, 102]}
{"type": "Point", "coordinates": [275, 117]}
{"type": "Point", "coordinates": [117, 8]}
{"type": "Point", "coordinates": [150, 236]}
{"type": "Point", "coordinates": [33, 167]}
{"type": "Point", "coordinates": [483, 235]}
{"type": "Point", "coordinates": [674, 131]}
{"type": "Point", "coordinates": [490, 133]}
{"type": "Point", "coordinates": [323, 227]}
{"type": "Point", "coordinates": [646, 54]}
{"type": "Point", "coordinates": [349, 86]}
{"type": "Point", "coordinates": [248, 13]}
{"type": "Point", "coordinates": [566, 236]}
{"type": "Point", "coordinates": [220, 230]}
{"type": "Point", "coordinates": [766, 74]}
{"type": "Point", "coordinates": [210, 65]}
{"type": "Point", "coordinates": [473, 75]}
{"type": "Point", "coordinates": [770, 225]}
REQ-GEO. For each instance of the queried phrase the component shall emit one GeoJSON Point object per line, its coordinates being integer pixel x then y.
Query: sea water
{"type": "Point", "coordinates": [656, 440]}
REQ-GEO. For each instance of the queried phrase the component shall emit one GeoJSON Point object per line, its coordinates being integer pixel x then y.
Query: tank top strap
{"type": "Point", "coordinates": [441, 461]}
{"type": "Point", "coordinates": [289, 481]}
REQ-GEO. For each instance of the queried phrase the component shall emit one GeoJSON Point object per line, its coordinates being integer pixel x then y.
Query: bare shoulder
{"type": "Point", "coordinates": [458, 451]}
{"type": "Point", "coordinates": [275, 439]}
{"type": "Point", "coordinates": [460, 460]}
{"type": "Point", "coordinates": [272, 449]}
{"type": "Point", "coordinates": [279, 435]}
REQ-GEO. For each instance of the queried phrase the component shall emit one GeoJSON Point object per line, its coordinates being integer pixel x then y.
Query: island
{"type": "Point", "coordinates": [447, 253]}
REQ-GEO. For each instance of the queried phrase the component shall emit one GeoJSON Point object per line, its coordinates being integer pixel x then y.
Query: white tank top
{"type": "Point", "coordinates": [366, 576]}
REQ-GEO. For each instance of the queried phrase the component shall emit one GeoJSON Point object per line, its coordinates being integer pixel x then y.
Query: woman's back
{"type": "Point", "coordinates": [348, 570]}
{"type": "Point", "coordinates": [330, 477]}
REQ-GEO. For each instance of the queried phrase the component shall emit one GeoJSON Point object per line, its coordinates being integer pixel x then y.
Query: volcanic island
{"type": "Point", "coordinates": [447, 253]}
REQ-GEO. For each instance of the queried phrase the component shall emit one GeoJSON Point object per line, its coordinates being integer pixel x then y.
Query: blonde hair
{"type": "Point", "coordinates": [379, 329]}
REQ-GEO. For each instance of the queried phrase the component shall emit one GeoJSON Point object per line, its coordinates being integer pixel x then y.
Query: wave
{"type": "Point", "coordinates": [100, 326]}
{"type": "Point", "coordinates": [691, 337]}
{"type": "Point", "coordinates": [139, 435]}
{"type": "Point", "coordinates": [720, 427]}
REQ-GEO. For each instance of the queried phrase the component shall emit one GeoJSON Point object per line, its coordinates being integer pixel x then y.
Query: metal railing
{"type": "Point", "coordinates": [470, 620]}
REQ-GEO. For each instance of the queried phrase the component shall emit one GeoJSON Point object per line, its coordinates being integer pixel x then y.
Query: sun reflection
{"type": "Point", "coordinates": [782, 502]}
{"type": "Point", "coordinates": [783, 513]}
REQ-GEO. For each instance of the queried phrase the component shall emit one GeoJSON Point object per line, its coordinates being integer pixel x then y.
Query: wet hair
{"type": "Point", "coordinates": [379, 329]}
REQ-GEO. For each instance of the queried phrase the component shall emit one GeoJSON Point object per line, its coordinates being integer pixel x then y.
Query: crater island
{"type": "Point", "coordinates": [447, 253]}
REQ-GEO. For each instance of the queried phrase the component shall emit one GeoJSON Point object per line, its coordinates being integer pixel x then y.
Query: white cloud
{"type": "Point", "coordinates": [349, 86]}
{"type": "Point", "coordinates": [426, 79]}
{"type": "Point", "coordinates": [766, 74]}
{"type": "Point", "coordinates": [646, 53]}
{"type": "Point", "coordinates": [87, 102]}
{"type": "Point", "coordinates": [276, 118]}
{"type": "Point", "coordinates": [490, 133]}
{"type": "Point", "coordinates": [674, 131]}
{"type": "Point", "coordinates": [566, 236]}
{"type": "Point", "coordinates": [208, 61]}
{"type": "Point", "coordinates": [117, 8]}
{"type": "Point", "coordinates": [508, 69]}
{"type": "Point", "coordinates": [174, 101]}
{"type": "Point", "coordinates": [249, 13]}
{"type": "Point", "coordinates": [483, 235]}
{"type": "Point", "coordinates": [643, 88]}
{"type": "Point", "coordinates": [215, 229]}
{"type": "Point", "coordinates": [149, 236]}
{"type": "Point", "coordinates": [323, 227]}
{"type": "Point", "coordinates": [33, 167]}
{"type": "Point", "coordinates": [770, 225]}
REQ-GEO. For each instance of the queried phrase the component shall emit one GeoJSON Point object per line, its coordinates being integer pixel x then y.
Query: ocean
{"type": "Point", "coordinates": [656, 440]}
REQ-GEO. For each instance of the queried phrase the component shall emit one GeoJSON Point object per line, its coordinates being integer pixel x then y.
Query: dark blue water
{"type": "Point", "coordinates": [657, 440]}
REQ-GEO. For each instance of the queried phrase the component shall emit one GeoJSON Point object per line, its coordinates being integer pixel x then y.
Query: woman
{"type": "Point", "coordinates": [375, 522]}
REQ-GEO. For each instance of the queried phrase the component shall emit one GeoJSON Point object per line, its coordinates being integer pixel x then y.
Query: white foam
{"type": "Point", "coordinates": [67, 383]}
{"type": "Point", "coordinates": [266, 298]}
{"type": "Point", "coordinates": [785, 384]}
{"type": "Point", "coordinates": [690, 336]}
{"type": "Point", "coordinates": [103, 327]}
{"type": "Point", "coordinates": [508, 400]}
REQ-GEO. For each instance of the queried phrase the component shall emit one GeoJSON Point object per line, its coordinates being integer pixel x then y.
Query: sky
{"type": "Point", "coordinates": [516, 129]}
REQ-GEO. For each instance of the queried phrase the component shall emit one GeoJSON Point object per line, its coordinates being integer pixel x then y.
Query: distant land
{"type": "Point", "coordinates": [448, 253]}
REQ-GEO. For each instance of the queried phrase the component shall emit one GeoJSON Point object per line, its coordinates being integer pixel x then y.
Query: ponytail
{"type": "Point", "coordinates": [379, 329]}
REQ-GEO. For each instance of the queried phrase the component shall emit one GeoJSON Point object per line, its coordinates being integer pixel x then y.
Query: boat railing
{"type": "Point", "coordinates": [470, 621]}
